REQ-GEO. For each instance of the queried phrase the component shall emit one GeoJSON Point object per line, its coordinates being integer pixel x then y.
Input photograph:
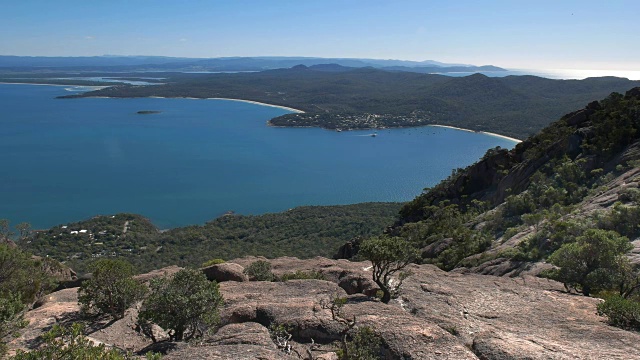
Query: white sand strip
{"type": "Point", "coordinates": [230, 99]}
{"type": "Point", "coordinates": [481, 132]}
{"type": "Point", "coordinates": [261, 103]}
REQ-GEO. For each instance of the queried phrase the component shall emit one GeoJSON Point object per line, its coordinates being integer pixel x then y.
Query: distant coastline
{"type": "Point", "coordinates": [481, 132]}
{"type": "Point", "coordinates": [164, 97]}
{"type": "Point", "coordinates": [280, 107]}
{"type": "Point", "coordinates": [261, 103]}
{"type": "Point", "coordinates": [230, 99]}
{"type": "Point", "coordinates": [93, 87]}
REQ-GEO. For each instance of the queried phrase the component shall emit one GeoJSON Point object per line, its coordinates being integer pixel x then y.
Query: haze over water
{"type": "Point", "coordinates": [67, 160]}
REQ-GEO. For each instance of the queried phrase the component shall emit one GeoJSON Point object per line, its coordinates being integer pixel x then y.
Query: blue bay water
{"type": "Point", "coordinates": [65, 160]}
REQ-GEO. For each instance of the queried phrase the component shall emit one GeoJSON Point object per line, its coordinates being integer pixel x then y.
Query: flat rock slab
{"type": "Point", "coordinates": [60, 307]}
{"type": "Point", "coordinates": [438, 315]}
{"type": "Point", "coordinates": [515, 318]}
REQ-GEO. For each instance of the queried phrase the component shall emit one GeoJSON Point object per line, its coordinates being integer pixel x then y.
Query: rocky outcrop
{"type": "Point", "coordinates": [59, 307]}
{"type": "Point", "coordinates": [225, 272]}
{"type": "Point", "coordinates": [438, 315]}
{"type": "Point", "coordinates": [245, 341]}
{"type": "Point", "coordinates": [348, 249]}
{"type": "Point", "coordinates": [435, 248]}
{"type": "Point", "coordinates": [348, 275]}
{"type": "Point", "coordinates": [166, 271]}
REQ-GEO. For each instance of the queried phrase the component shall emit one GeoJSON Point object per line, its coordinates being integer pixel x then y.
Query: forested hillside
{"type": "Point", "coordinates": [515, 208]}
{"type": "Point", "coordinates": [303, 232]}
{"type": "Point", "coordinates": [335, 97]}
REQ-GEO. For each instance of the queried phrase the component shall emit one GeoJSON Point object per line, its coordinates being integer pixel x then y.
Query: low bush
{"type": "Point", "coordinates": [212, 262]}
{"type": "Point", "coordinates": [185, 304]}
{"type": "Point", "coordinates": [111, 290]}
{"type": "Point", "coordinates": [303, 275]}
{"type": "Point", "coordinates": [70, 343]}
{"type": "Point", "coordinates": [621, 312]}
{"type": "Point", "coordinates": [259, 271]}
{"type": "Point", "coordinates": [365, 345]}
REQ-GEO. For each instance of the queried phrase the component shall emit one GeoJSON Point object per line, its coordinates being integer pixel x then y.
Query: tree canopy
{"type": "Point", "coordinates": [185, 304]}
{"type": "Point", "coordinates": [388, 255]}
{"type": "Point", "coordinates": [593, 262]}
{"type": "Point", "coordinates": [111, 289]}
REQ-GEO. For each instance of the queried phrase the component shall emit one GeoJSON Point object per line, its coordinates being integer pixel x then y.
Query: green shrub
{"type": "Point", "coordinates": [621, 312]}
{"type": "Point", "coordinates": [510, 232]}
{"type": "Point", "coordinates": [625, 219]}
{"type": "Point", "coordinates": [593, 262]}
{"type": "Point", "coordinates": [22, 283]}
{"type": "Point", "coordinates": [388, 255]}
{"type": "Point", "coordinates": [303, 275]}
{"type": "Point", "coordinates": [69, 343]}
{"type": "Point", "coordinates": [365, 345]}
{"type": "Point", "coordinates": [11, 318]}
{"type": "Point", "coordinates": [22, 275]}
{"type": "Point", "coordinates": [111, 289]}
{"type": "Point", "coordinates": [186, 304]}
{"type": "Point", "coordinates": [212, 262]}
{"type": "Point", "coordinates": [259, 271]}
{"type": "Point", "coordinates": [630, 194]}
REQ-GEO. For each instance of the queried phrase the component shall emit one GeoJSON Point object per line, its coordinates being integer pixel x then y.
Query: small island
{"type": "Point", "coordinates": [147, 112]}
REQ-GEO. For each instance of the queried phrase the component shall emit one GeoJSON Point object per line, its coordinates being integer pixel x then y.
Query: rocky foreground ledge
{"type": "Point", "coordinates": [438, 315]}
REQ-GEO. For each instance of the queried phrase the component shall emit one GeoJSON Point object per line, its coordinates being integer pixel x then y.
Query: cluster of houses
{"type": "Point", "coordinates": [92, 238]}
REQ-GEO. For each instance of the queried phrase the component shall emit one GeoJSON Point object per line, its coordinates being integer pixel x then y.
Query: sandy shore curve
{"type": "Point", "coordinates": [480, 132]}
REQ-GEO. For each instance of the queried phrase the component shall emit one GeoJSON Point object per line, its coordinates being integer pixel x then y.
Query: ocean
{"type": "Point", "coordinates": [66, 160]}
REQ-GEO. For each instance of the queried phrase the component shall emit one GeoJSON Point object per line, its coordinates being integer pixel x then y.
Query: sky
{"type": "Point", "coordinates": [533, 34]}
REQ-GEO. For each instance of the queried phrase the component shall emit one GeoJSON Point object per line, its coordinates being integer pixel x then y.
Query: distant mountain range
{"type": "Point", "coordinates": [161, 63]}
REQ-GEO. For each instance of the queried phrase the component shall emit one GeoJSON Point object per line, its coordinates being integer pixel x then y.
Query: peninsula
{"type": "Point", "coordinates": [341, 98]}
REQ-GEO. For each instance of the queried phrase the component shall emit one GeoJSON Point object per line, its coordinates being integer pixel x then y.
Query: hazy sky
{"type": "Point", "coordinates": [585, 34]}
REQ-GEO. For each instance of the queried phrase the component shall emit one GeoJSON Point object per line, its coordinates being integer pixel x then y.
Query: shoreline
{"type": "Point", "coordinates": [99, 87]}
{"type": "Point", "coordinates": [480, 132]}
{"type": "Point", "coordinates": [294, 110]}
{"type": "Point", "coordinates": [216, 98]}
{"type": "Point", "coordinates": [96, 87]}
{"type": "Point", "coordinates": [260, 103]}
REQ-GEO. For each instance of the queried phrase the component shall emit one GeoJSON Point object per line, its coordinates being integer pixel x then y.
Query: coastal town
{"type": "Point", "coordinates": [347, 121]}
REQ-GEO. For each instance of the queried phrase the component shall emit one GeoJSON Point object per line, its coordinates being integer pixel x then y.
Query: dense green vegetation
{"type": "Point", "coordinates": [69, 343]}
{"type": "Point", "coordinates": [23, 282]}
{"type": "Point", "coordinates": [111, 289]}
{"type": "Point", "coordinates": [303, 232]}
{"type": "Point", "coordinates": [371, 98]}
{"type": "Point", "coordinates": [186, 304]}
{"type": "Point", "coordinates": [621, 312]}
{"type": "Point", "coordinates": [593, 262]}
{"type": "Point", "coordinates": [259, 271]}
{"type": "Point", "coordinates": [365, 344]}
{"type": "Point", "coordinates": [534, 194]}
{"type": "Point", "coordinates": [536, 184]}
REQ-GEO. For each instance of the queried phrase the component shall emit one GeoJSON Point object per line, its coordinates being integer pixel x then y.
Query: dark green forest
{"type": "Point", "coordinates": [335, 97]}
{"type": "Point", "coordinates": [539, 184]}
{"type": "Point", "coordinates": [302, 232]}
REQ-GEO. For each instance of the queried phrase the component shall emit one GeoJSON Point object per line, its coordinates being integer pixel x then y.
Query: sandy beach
{"type": "Point", "coordinates": [164, 97]}
{"type": "Point", "coordinates": [279, 106]}
{"type": "Point", "coordinates": [230, 99]}
{"type": "Point", "coordinates": [260, 103]}
{"type": "Point", "coordinates": [481, 132]}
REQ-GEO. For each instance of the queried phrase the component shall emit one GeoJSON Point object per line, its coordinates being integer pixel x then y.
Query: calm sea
{"type": "Point", "coordinates": [67, 160]}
